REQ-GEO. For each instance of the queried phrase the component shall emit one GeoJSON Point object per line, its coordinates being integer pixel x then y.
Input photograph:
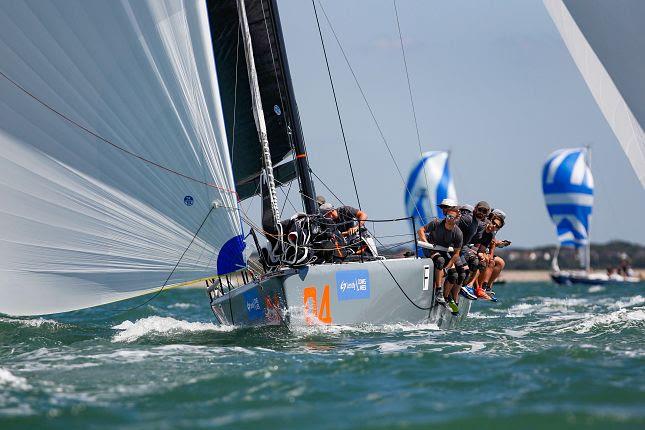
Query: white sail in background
{"type": "Point", "coordinates": [95, 215]}
{"type": "Point", "coordinates": [607, 43]}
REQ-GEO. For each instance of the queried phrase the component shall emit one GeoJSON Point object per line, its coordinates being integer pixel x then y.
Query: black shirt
{"type": "Point", "coordinates": [484, 238]}
{"type": "Point", "coordinates": [347, 218]}
{"type": "Point", "coordinates": [468, 225]}
{"type": "Point", "coordinates": [438, 234]}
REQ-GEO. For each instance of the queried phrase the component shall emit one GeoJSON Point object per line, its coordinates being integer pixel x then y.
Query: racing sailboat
{"type": "Point", "coordinates": [591, 32]}
{"type": "Point", "coordinates": [302, 287]}
{"type": "Point", "coordinates": [130, 132]}
{"type": "Point", "coordinates": [567, 184]}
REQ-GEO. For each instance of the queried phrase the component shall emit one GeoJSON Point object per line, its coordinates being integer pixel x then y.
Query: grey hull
{"type": "Point", "coordinates": [374, 292]}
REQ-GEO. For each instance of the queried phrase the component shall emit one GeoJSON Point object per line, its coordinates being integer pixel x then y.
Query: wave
{"type": "Point", "coordinates": [9, 379]}
{"type": "Point", "coordinates": [622, 318]}
{"type": "Point", "coordinates": [614, 321]}
{"type": "Point", "coordinates": [164, 326]}
{"type": "Point", "coordinates": [37, 322]}
{"type": "Point", "coordinates": [324, 329]}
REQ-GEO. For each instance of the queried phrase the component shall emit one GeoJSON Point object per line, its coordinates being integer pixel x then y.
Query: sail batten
{"type": "Point", "coordinates": [115, 157]}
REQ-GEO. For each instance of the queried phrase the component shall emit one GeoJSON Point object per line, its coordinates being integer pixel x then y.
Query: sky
{"type": "Point", "coordinates": [492, 82]}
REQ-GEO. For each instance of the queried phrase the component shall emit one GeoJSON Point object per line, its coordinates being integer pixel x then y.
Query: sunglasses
{"type": "Point", "coordinates": [482, 211]}
{"type": "Point", "coordinates": [451, 217]}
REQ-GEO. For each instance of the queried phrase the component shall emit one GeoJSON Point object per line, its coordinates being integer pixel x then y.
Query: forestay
{"type": "Point", "coordinates": [113, 150]}
{"type": "Point", "coordinates": [567, 184]}
{"type": "Point", "coordinates": [428, 184]}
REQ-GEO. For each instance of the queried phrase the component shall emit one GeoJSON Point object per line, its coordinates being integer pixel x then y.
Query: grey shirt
{"type": "Point", "coordinates": [438, 234]}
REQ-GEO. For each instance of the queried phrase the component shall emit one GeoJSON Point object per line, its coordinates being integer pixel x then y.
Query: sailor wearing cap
{"type": "Point", "coordinates": [447, 239]}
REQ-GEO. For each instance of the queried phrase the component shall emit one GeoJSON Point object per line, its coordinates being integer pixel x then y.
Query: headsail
{"type": "Point", "coordinates": [428, 184]}
{"type": "Point", "coordinates": [113, 149]}
{"type": "Point", "coordinates": [607, 42]}
{"type": "Point", "coordinates": [568, 187]}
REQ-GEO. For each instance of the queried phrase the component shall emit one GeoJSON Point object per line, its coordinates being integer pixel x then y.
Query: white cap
{"type": "Point", "coordinates": [448, 203]}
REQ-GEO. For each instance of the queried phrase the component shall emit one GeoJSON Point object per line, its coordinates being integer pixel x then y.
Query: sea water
{"type": "Point", "coordinates": [545, 356]}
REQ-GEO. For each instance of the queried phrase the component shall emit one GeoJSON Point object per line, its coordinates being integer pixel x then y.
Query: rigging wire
{"type": "Point", "coordinates": [156, 294]}
{"type": "Point", "coordinates": [326, 187]}
{"type": "Point", "coordinates": [369, 106]}
{"type": "Point", "coordinates": [407, 75]}
{"type": "Point", "coordinates": [333, 90]}
{"type": "Point", "coordinates": [102, 139]}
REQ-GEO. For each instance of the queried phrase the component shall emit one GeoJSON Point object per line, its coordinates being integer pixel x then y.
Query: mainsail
{"type": "Point", "coordinates": [568, 187]}
{"type": "Point", "coordinates": [607, 43]}
{"type": "Point", "coordinates": [428, 184]}
{"type": "Point", "coordinates": [278, 101]}
{"type": "Point", "coordinates": [113, 153]}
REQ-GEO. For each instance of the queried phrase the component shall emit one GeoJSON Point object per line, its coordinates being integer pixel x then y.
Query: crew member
{"type": "Point", "coordinates": [445, 234]}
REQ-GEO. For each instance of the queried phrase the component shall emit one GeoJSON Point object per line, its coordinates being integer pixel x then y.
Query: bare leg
{"type": "Point", "coordinates": [486, 274]}
{"type": "Point", "coordinates": [499, 266]}
{"type": "Point", "coordinates": [455, 292]}
{"type": "Point", "coordinates": [438, 278]}
{"type": "Point", "coordinates": [447, 288]}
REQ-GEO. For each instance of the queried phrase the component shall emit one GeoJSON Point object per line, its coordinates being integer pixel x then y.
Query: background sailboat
{"type": "Point", "coordinates": [567, 184]}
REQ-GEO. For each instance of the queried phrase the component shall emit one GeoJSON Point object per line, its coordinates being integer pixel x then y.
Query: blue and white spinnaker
{"type": "Point", "coordinates": [567, 185]}
{"type": "Point", "coordinates": [429, 183]}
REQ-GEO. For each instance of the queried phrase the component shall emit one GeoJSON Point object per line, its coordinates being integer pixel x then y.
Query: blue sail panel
{"type": "Point", "coordinates": [430, 182]}
{"type": "Point", "coordinates": [568, 187]}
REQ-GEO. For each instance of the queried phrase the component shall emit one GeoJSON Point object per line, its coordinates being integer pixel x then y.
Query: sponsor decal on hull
{"type": "Point", "coordinates": [353, 285]}
{"type": "Point", "coordinates": [254, 307]}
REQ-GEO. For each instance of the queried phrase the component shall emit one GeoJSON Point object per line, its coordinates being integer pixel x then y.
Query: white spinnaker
{"type": "Point", "coordinates": [82, 222]}
{"type": "Point", "coordinates": [607, 43]}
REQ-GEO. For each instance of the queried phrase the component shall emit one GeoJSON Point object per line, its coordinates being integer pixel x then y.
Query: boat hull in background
{"type": "Point", "coordinates": [371, 292]}
{"type": "Point", "coordinates": [570, 278]}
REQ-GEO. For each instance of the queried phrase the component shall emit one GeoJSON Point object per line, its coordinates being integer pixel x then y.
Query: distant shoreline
{"type": "Point", "coordinates": [537, 275]}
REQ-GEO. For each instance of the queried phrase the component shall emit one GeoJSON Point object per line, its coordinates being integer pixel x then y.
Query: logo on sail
{"type": "Point", "coordinates": [353, 284]}
{"type": "Point", "coordinates": [188, 200]}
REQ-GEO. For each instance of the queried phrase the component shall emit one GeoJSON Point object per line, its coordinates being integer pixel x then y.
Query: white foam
{"type": "Point", "coordinates": [629, 303]}
{"type": "Point", "coordinates": [546, 305]}
{"type": "Point", "coordinates": [181, 306]}
{"type": "Point", "coordinates": [37, 322]}
{"type": "Point", "coordinates": [9, 379]}
{"type": "Point", "coordinates": [478, 316]}
{"type": "Point", "coordinates": [622, 318]}
{"type": "Point", "coordinates": [155, 325]}
{"type": "Point", "coordinates": [319, 328]}
{"type": "Point", "coordinates": [392, 346]}
{"type": "Point", "coordinates": [596, 289]}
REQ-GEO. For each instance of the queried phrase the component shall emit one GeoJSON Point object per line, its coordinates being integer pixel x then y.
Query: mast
{"type": "Point", "coordinates": [257, 109]}
{"type": "Point", "coordinates": [554, 262]}
{"type": "Point", "coordinates": [587, 261]}
{"type": "Point", "coordinates": [307, 190]}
